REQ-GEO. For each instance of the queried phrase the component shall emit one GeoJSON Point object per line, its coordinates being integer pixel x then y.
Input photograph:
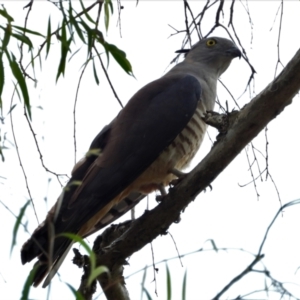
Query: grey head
{"type": "Point", "coordinates": [214, 53]}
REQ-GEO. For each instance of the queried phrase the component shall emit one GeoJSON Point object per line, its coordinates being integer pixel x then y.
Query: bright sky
{"type": "Point", "coordinates": [229, 214]}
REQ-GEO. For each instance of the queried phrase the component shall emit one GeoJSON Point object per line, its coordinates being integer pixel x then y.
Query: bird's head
{"type": "Point", "coordinates": [215, 52]}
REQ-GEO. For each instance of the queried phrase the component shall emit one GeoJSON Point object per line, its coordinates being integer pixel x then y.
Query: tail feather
{"type": "Point", "coordinates": [33, 248]}
{"type": "Point", "coordinates": [55, 267]}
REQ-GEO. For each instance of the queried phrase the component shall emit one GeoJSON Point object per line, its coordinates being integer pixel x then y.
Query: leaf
{"type": "Point", "coordinates": [11, 109]}
{"type": "Point", "coordinates": [169, 289]}
{"type": "Point", "coordinates": [143, 281]}
{"type": "Point", "coordinates": [21, 81]}
{"type": "Point", "coordinates": [17, 225]}
{"type": "Point", "coordinates": [65, 47]}
{"type": "Point", "coordinates": [90, 35]}
{"type": "Point", "coordinates": [7, 34]}
{"type": "Point", "coordinates": [23, 29]}
{"type": "Point", "coordinates": [184, 286]}
{"type": "Point", "coordinates": [48, 39]}
{"type": "Point", "coordinates": [85, 13]}
{"type": "Point", "coordinates": [24, 39]}
{"type": "Point", "coordinates": [75, 293]}
{"type": "Point", "coordinates": [107, 4]}
{"type": "Point", "coordinates": [1, 78]}
{"type": "Point", "coordinates": [4, 14]}
{"type": "Point", "coordinates": [28, 283]}
{"type": "Point", "coordinates": [95, 74]}
{"type": "Point", "coordinates": [77, 28]}
{"type": "Point", "coordinates": [147, 294]}
{"type": "Point", "coordinates": [96, 272]}
{"type": "Point", "coordinates": [120, 57]}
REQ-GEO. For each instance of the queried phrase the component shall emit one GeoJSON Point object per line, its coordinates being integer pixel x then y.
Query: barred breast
{"type": "Point", "coordinates": [177, 155]}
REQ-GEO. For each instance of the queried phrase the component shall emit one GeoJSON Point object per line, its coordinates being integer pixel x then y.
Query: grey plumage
{"type": "Point", "coordinates": [158, 132]}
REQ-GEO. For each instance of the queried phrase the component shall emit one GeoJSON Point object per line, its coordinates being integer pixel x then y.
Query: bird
{"type": "Point", "coordinates": [144, 148]}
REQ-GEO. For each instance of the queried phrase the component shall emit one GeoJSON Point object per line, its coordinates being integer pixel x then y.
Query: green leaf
{"type": "Point", "coordinates": [12, 108]}
{"type": "Point", "coordinates": [65, 47]}
{"type": "Point", "coordinates": [5, 14]}
{"type": "Point", "coordinates": [1, 78]}
{"type": "Point", "coordinates": [21, 81]}
{"type": "Point", "coordinates": [120, 57]}
{"type": "Point", "coordinates": [169, 289]}
{"type": "Point", "coordinates": [143, 281]}
{"type": "Point", "coordinates": [106, 13]}
{"type": "Point", "coordinates": [17, 225]}
{"type": "Point", "coordinates": [95, 74]}
{"type": "Point", "coordinates": [147, 294]}
{"type": "Point", "coordinates": [96, 272]}
{"type": "Point", "coordinates": [74, 22]}
{"type": "Point", "coordinates": [28, 283]}
{"type": "Point", "coordinates": [7, 34]}
{"type": "Point", "coordinates": [77, 294]}
{"type": "Point", "coordinates": [90, 35]}
{"type": "Point", "coordinates": [23, 29]}
{"type": "Point", "coordinates": [48, 39]}
{"type": "Point", "coordinates": [24, 39]}
{"type": "Point", "coordinates": [184, 286]}
{"type": "Point", "coordinates": [85, 13]}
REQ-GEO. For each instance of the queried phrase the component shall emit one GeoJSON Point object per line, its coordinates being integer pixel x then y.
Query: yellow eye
{"type": "Point", "coordinates": [211, 42]}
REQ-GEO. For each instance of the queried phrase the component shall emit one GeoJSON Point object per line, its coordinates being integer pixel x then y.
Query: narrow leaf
{"type": "Point", "coordinates": [120, 57]}
{"type": "Point", "coordinates": [1, 78]}
{"type": "Point", "coordinates": [11, 109]}
{"type": "Point", "coordinates": [65, 47]}
{"type": "Point", "coordinates": [28, 283]}
{"type": "Point", "coordinates": [24, 39]}
{"type": "Point", "coordinates": [95, 74]}
{"type": "Point", "coordinates": [184, 286]}
{"type": "Point", "coordinates": [106, 14]}
{"type": "Point", "coordinates": [23, 29]}
{"type": "Point", "coordinates": [86, 13]}
{"type": "Point", "coordinates": [96, 272]}
{"type": "Point", "coordinates": [143, 281]}
{"type": "Point", "coordinates": [147, 294]}
{"type": "Point", "coordinates": [5, 14]}
{"type": "Point", "coordinates": [77, 294]}
{"type": "Point", "coordinates": [77, 28]}
{"type": "Point", "coordinates": [21, 81]}
{"type": "Point", "coordinates": [17, 225]}
{"type": "Point", "coordinates": [48, 39]}
{"type": "Point", "coordinates": [169, 289]}
{"type": "Point", "coordinates": [7, 34]}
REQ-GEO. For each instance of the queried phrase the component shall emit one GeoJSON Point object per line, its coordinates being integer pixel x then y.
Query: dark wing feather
{"type": "Point", "coordinates": [150, 121]}
{"type": "Point", "coordinates": [144, 128]}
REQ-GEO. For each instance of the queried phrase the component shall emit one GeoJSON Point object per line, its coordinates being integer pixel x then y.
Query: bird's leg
{"type": "Point", "coordinates": [177, 173]}
{"type": "Point", "coordinates": [180, 175]}
{"type": "Point", "coordinates": [163, 193]}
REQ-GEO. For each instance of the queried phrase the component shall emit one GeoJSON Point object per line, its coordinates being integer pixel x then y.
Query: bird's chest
{"type": "Point", "coordinates": [176, 156]}
{"type": "Point", "coordinates": [182, 150]}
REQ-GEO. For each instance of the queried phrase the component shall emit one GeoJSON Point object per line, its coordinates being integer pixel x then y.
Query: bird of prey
{"type": "Point", "coordinates": [143, 149]}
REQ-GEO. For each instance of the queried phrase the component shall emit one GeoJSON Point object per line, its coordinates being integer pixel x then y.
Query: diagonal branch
{"type": "Point", "coordinates": [248, 123]}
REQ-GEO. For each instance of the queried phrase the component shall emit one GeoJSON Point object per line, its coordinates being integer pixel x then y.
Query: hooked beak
{"type": "Point", "coordinates": [234, 52]}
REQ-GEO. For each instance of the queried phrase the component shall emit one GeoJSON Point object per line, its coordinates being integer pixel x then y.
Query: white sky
{"type": "Point", "coordinates": [229, 214]}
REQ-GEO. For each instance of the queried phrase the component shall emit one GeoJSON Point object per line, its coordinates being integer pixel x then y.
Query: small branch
{"type": "Point", "coordinates": [107, 77]}
{"type": "Point", "coordinates": [240, 276]}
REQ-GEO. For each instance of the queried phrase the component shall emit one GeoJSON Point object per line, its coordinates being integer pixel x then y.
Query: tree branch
{"type": "Point", "coordinates": [248, 123]}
